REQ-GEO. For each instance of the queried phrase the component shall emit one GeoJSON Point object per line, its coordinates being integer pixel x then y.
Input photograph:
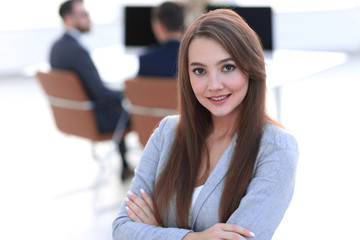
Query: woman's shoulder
{"type": "Point", "coordinates": [276, 135]}
{"type": "Point", "coordinates": [279, 150]}
{"type": "Point", "coordinates": [165, 132]}
{"type": "Point", "coordinates": [169, 123]}
{"type": "Point", "coordinates": [163, 136]}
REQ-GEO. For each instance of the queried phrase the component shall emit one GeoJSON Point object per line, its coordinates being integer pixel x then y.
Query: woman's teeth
{"type": "Point", "coordinates": [218, 98]}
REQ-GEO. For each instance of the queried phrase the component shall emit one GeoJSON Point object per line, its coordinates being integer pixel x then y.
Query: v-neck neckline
{"type": "Point", "coordinates": [215, 177]}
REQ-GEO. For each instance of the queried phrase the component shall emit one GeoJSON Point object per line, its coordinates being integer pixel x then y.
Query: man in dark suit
{"type": "Point", "coordinates": [167, 24]}
{"type": "Point", "coordinates": [68, 54]}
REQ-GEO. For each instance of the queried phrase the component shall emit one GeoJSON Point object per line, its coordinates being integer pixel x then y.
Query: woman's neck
{"type": "Point", "coordinates": [216, 143]}
{"type": "Point", "coordinates": [223, 127]}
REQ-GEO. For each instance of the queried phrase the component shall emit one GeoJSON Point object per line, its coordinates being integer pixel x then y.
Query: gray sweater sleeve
{"type": "Point", "coordinates": [271, 189]}
{"type": "Point", "coordinates": [145, 174]}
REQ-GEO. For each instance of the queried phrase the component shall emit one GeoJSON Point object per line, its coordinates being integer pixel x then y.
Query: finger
{"type": "Point", "coordinates": [142, 204]}
{"type": "Point", "coordinates": [230, 236]}
{"type": "Point", "coordinates": [132, 215]}
{"type": "Point", "coordinates": [140, 208]}
{"type": "Point", "coordinates": [142, 211]}
{"type": "Point", "coordinates": [237, 229]}
{"type": "Point", "coordinates": [135, 209]}
{"type": "Point", "coordinates": [220, 231]}
{"type": "Point", "coordinates": [147, 199]}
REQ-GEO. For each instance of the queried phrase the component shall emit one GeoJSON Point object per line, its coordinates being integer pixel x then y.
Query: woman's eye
{"type": "Point", "coordinates": [198, 71]}
{"type": "Point", "coordinates": [229, 68]}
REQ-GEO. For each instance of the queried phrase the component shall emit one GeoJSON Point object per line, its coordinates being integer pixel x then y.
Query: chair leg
{"type": "Point", "coordinates": [103, 160]}
{"type": "Point", "coordinates": [104, 164]}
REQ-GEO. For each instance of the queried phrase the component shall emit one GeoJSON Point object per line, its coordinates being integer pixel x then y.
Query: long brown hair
{"type": "Point", "coordinates": [177, 180]}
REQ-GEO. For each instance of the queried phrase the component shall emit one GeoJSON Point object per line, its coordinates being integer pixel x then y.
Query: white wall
{"type": "Point", "coordinates": [26, 47]}
{"type": "Point", "coordinates": [335, 30]}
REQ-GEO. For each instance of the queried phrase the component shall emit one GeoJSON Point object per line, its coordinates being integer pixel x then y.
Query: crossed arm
{"type": "Point", "coordinates": [141, 209]}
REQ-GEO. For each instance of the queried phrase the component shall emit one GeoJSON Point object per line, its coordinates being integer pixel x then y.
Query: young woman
{"type": "Point", "coordinates": [222, 169]}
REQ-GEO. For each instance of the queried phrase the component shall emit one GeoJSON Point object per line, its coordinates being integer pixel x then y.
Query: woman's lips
{"type": "Point", "coordinates": [219, 99]}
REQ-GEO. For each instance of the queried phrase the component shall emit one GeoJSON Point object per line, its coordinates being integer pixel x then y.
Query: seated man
{"type": "Point", "coordinates": [68, 54]}
{"type": "Point", "coordinates": [167, 24]}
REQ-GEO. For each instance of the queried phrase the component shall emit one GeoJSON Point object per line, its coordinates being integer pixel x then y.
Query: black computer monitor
{"type": "Point", "coordinates": [138, 30]}
{"type": "Point", "coordinates": [258, 18]}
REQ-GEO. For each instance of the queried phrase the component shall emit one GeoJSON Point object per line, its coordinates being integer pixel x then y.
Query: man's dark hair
{"type": "Point", "coordinates": [66, 8]}
{"type": "Point", "coordinates": [170, 15]}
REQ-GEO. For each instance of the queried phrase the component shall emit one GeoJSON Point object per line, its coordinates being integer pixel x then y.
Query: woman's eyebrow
{"type": "Point", "coordinates": [229, 59]}
{"type": "Point", "coordinates": [196, 64]}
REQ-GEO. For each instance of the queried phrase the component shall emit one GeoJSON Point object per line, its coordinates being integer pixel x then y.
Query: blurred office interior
{"type": "Point", "coordinates": [313, 85]}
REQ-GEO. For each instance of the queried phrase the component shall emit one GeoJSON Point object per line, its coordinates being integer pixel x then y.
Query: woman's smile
{"type": "Point", "coordinates": [219, 99]}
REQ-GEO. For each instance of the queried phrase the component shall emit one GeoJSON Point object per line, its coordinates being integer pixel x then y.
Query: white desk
{"type": "Point", "coordinates": [287, 66]}
{"type": "Point", "coordinates": [115, 65]}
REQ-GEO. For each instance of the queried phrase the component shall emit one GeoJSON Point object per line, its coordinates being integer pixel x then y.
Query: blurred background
{"type": "Point", "coordinates": [313, 84]}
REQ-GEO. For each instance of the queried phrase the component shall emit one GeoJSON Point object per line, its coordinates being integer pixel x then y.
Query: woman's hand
{"type": "Point", "coordinates": [140, 209]}
{"type": "Point", "coordinates": [221, 231]}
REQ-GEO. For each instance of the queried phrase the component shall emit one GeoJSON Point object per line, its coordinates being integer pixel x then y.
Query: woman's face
{"type": "Point", "coordinates": [217, 82]}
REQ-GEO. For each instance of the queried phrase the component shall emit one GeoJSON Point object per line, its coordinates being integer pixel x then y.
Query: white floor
{"type": "Point", "coordinates": [39, 164]}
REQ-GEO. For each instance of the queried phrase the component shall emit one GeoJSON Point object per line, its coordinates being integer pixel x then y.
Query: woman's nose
{"type": "Point", "coordinates": [215, 82]}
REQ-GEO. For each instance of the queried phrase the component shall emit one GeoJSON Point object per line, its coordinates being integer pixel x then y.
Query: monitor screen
{"type": "Point", "coordinates": [258, 18]}
{"type": "Point", "coordinates": [138, 30]}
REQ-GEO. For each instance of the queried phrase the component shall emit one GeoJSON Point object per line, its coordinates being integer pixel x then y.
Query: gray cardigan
{"type": "Point", "coordinates": [261, 209]}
